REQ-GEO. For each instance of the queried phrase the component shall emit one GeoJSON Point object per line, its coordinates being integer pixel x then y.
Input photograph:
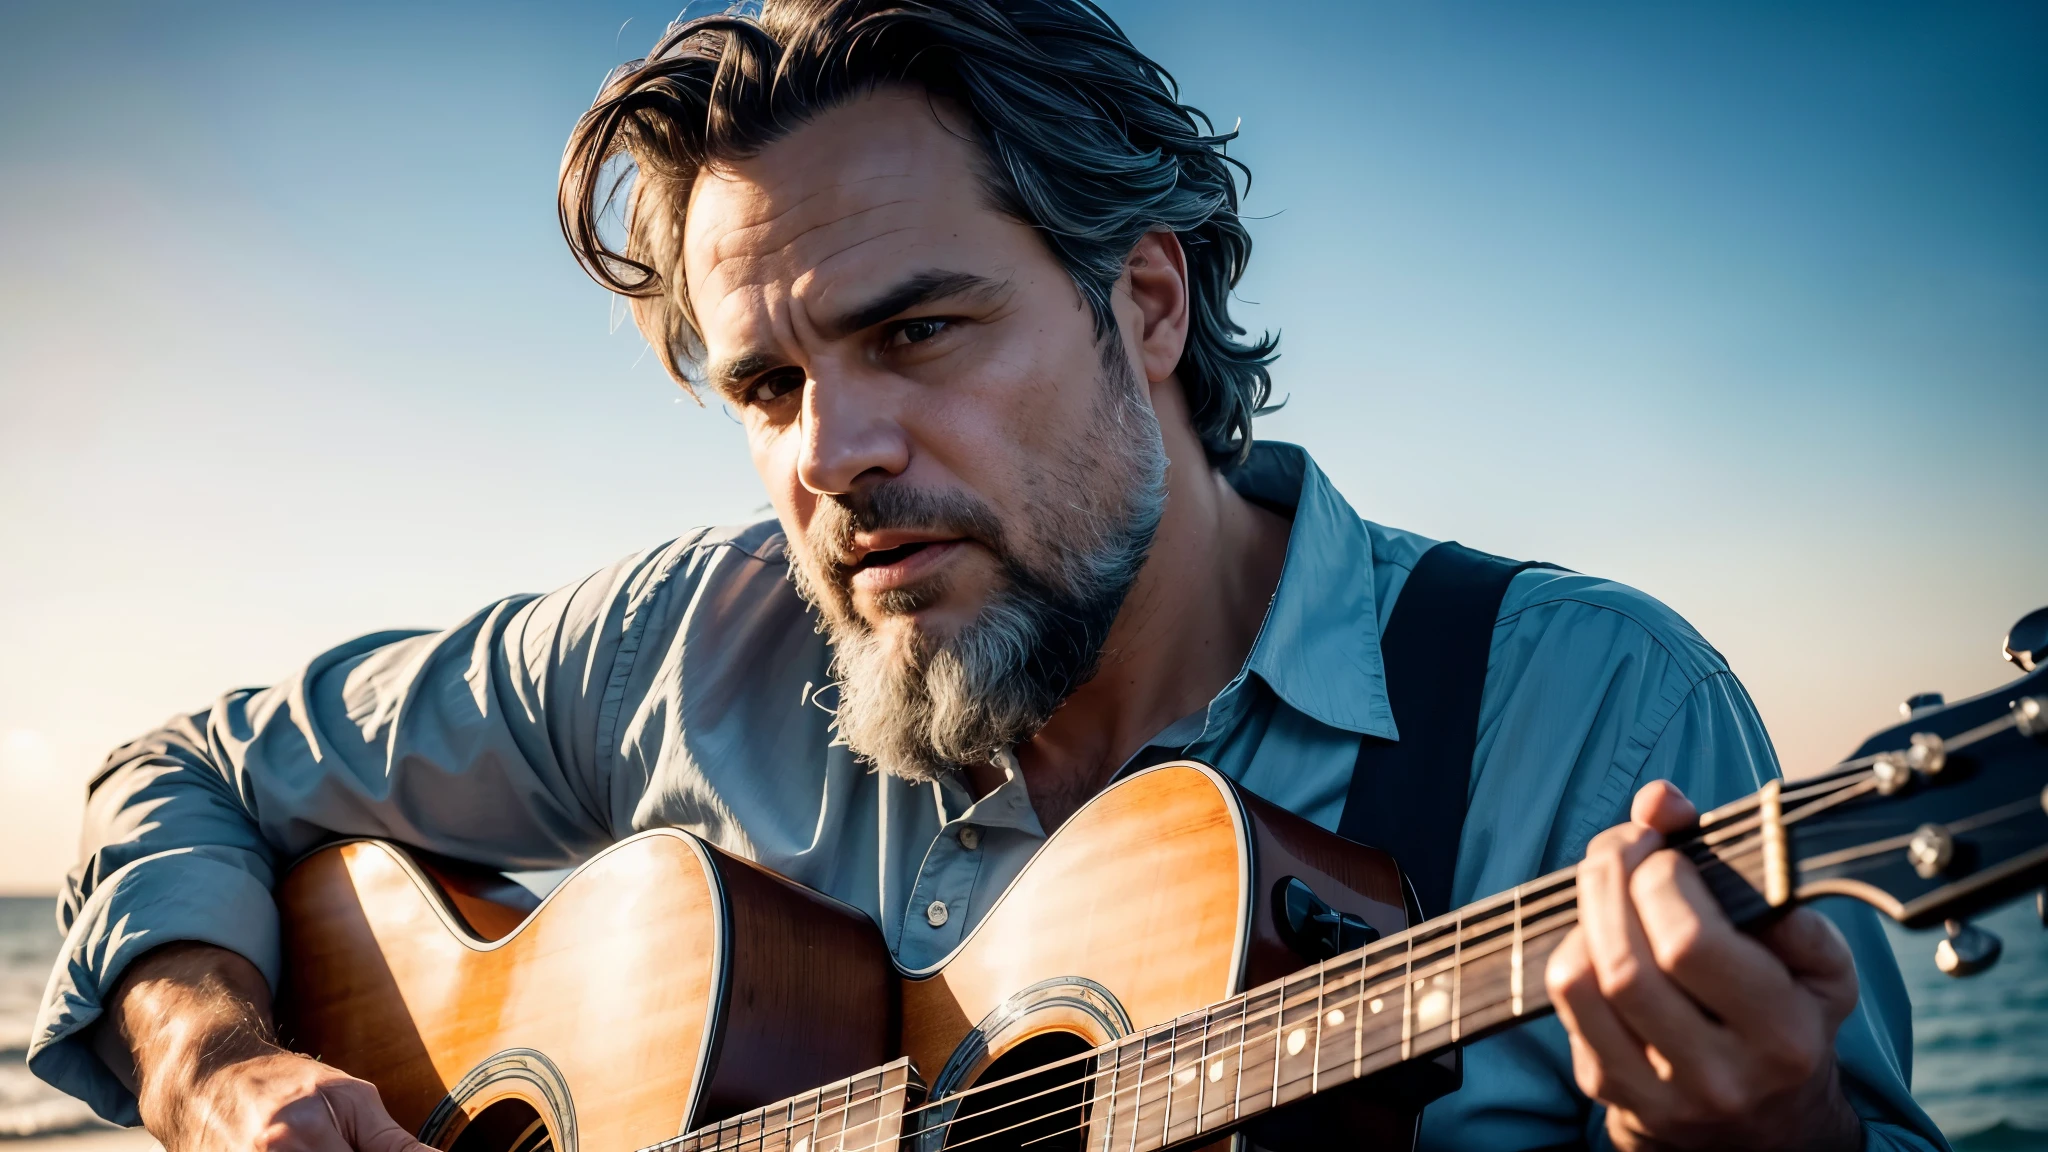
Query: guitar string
{"type": "Point", "coordinates": [1377, 969]}
{"type": "Point", "coordinates": [1841, 784]}
{"type": "Point", "coordinates": [1368, 983]}
{"type": "Point", "coordinates": [1371, 976]}
{"type": "Point", "coordinates": [1375, 981]}
{"type": "Point", "coordinates": [1136, 1113]}
{"type": "Point", "coordinates": [1174, 1067]}
{"type": "Point", "coordinates": [1837, 783]}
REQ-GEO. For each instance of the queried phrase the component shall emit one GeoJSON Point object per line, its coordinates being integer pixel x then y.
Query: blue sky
{"type": "Point", "coordinates": [1744, 304]}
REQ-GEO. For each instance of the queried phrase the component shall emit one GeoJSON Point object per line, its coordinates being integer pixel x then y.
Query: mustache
{"type": "Point", "coordinates": [895, 507]}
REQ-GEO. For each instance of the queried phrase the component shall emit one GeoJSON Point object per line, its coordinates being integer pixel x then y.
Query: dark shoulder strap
{"type": "Point", "coordinates": [1408, 795]}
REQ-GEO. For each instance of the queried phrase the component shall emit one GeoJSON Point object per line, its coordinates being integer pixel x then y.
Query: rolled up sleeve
{"type": "Point", "coordinates": [489, 741]}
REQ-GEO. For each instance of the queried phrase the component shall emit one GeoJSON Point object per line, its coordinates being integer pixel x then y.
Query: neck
{"type": "Point", "coordinates": [1183, 632]}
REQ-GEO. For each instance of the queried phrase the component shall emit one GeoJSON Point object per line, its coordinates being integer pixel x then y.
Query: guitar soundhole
{"type": "Point", "coordinates": [1043, 1111]}
{"type": "Point", "coordinates": [507, 1126]}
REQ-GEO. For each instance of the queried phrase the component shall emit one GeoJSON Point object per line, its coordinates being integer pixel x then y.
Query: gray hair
{"type": "Point", "coordinates": [1084, 139]}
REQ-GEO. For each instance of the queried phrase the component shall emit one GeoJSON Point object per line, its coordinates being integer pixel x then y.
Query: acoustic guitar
{"type": "Point", "coordinates": [1179, 963]}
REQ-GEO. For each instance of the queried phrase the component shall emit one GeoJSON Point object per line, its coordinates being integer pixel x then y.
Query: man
{"type": "Point", "coordinates": [961, 267]}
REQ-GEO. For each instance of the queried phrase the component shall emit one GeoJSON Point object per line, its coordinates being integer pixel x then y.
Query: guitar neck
{"type": "Point", "coordinates": [1444, 983]}
{"type": "Point", "coordinates": [1411, 996]}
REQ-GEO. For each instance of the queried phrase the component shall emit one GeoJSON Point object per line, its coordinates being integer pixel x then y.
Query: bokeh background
{"type": "Point", "coordinates": [1744, 304]}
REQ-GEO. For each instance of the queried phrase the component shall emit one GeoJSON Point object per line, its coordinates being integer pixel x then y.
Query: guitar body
{"type": "Point", "coordinates": [665, 985]}
{"type": "Point", "coordinates": [1155, 900]}
{"type": "Point", "coordinates": [661, 985]}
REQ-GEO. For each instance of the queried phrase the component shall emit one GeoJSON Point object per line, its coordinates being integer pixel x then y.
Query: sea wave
{"type": "Point", "coordinates": [2003, 1137]}
{"type": "Point", "coordinates": [50, 1117]}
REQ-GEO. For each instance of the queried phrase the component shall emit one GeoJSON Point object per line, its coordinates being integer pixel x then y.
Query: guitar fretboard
{"type": "Point", "coordinates": [1415, 995]}
{"type": "Point", "coordinates": [1412, 996]}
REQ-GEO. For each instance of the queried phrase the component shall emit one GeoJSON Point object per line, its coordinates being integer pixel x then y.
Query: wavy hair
{"type": "Point", "coordinates": [1083, 138]}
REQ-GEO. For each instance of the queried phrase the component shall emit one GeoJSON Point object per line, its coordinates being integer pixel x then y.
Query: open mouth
{"type": "Point", "coordinates": [887, 556]}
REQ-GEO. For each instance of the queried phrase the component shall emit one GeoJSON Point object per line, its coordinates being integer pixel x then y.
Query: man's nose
{"type": "Point", "coordinates": [850, 430]}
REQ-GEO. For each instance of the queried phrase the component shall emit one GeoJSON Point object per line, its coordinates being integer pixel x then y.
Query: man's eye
{"type": "Point", "coordinates": [916, 331]}
{"type": "Point", "coordinates": [774, 386]}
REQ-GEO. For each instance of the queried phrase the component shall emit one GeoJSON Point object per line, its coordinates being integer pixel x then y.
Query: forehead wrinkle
{"type": "Point", "coordinates": [725, 249]}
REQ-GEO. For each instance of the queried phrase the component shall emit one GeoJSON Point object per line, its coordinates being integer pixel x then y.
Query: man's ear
{"type": "Point", "coordinates": [1156, 278]}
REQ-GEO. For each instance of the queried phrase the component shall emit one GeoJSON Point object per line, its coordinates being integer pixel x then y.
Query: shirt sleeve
{"type": "Point", "coordinates": [1585, 704]}
{"type": "Point", "coordinates": [489, 741]}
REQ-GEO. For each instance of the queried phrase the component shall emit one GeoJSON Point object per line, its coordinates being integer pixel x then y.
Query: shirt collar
{"type": "Point", "coordinates": [1319, 649]}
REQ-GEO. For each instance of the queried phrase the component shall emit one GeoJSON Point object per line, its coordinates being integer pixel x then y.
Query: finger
{"type": "Point", "coordinates": [305, 1124]}
{"type": "Point", "coordinates": [1704, 954]}
{"type": "Point", "coordinates": [1647, 1001]}
{"type": "Point", "coordinates": [1662, 806]}
{"type": "Point", "coordinates": [368, 1127]}
{"type": "Point", "coordinates": [1818, 957]}
{"type": "Point", "coordinates": [1608, 1061]}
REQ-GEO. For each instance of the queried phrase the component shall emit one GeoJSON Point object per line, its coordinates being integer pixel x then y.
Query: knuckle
{"type": "Point", "coordinates": [1656, 874]}
{"type": "Point", "coordinates": [1622, 980]}
{"type": "Point", "coordinates": [1681, 944]}
{"type": "Point", "coordinates": [1716, 1096]}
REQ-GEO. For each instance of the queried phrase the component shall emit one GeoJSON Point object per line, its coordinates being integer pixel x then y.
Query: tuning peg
{"type": "Point", "coordinates": [1967, 951]}
{"type": "Point", "coordinates": [1920, 704]}
{"type": "Point", "coordinates": [2027, 644]}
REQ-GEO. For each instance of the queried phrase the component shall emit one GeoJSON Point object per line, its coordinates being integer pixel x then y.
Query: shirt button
{"type": "Point", "coordinates": [936, 913]}
{"type": "Point", "coordinates": [970, 837]}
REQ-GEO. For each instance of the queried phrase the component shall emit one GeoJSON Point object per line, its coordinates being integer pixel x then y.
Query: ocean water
{"type": "Point", "coordinates": [1980, 1060]}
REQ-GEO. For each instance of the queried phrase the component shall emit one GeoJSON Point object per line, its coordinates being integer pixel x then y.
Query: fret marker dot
{"type": "Point", "coordinates": [1296, 1041]}
{"type": "Point", "coordinates": [1185, 1077]}
{"type": "Point", "coordinates": [1377, 1004]}
{"type": "Point", "coordinates": [1335, 1017]}
{"type": "Point", "coordinates": [1418, 985]}
{"type": "Point", "coordinates": [1434, 1010]}
{"type": "Point", "coordinates": [803, 1144]}
{"type": "Point", "coordinates": [1215, 1071]}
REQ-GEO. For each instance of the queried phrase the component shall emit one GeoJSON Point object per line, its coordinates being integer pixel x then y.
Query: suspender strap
{"type": "Point", "coordinates": [1408, 796]}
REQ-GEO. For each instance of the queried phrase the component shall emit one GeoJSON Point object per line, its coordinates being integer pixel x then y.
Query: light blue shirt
{"type": "Point", "coordinates": [686, 686]}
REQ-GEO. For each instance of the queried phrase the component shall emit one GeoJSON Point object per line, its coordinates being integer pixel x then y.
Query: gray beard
{"type": "Point", "coordinates": [923, 708]}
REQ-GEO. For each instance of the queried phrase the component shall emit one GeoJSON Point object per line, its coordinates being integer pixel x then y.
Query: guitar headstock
{"type": "Point", "coordinates": [1934, 818]}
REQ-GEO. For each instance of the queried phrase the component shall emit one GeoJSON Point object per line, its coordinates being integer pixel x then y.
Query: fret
{"type": "Point", "coordinates": [1296, 1029]}
{"type": "Point", "coordinates": [863, 1115]}
{"type": "Point", "coordinates": [1337, 1038]}
{"type": "Point", "coordinates": [1102, 1116]}
{"type": "Point", "coordinates": [1121, 1130]}
{"type": "Point", "coordinates": [1170, 1079]}
{"type": "Point", "coordinates": [1408, 1002]}
{"type": "Point", "coordinates": [1358, 1012]}
{"type": "Point", "coordinates": [1223, 1053]}
{"type": "Point", "coordinates": [832, 1133]}
{"type": "Point", "coordinates": [1315, 1067]}
{"type": "Point", "coordinates": [1138, 1093]}
{"type": "Point", "coordinates": [1457, 975]}
{"type": "Point", "coordinates": [1157, 1099]}
{"type": "Point", "coordinates": [1257, 1047]}
{"type": "Point", "coordinates": [1185, 1064]}
{"type": "Point", "coordinates": [1515, 972]}
{"type": "Point", "coordinates": [808, 1140]}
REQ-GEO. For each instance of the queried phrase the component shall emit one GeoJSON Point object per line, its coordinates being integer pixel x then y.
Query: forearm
{"type": "Point", "coordinates": [179, 1014]}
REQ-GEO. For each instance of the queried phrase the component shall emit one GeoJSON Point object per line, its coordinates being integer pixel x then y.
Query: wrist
{"type": "Point", "coordinates": [179, 1015]}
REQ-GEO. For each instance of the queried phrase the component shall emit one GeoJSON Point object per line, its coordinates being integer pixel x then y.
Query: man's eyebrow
{"type": "Point", "coordinates": [726, 376]}
{"type": "Point", "coordinates": [922, 288]}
